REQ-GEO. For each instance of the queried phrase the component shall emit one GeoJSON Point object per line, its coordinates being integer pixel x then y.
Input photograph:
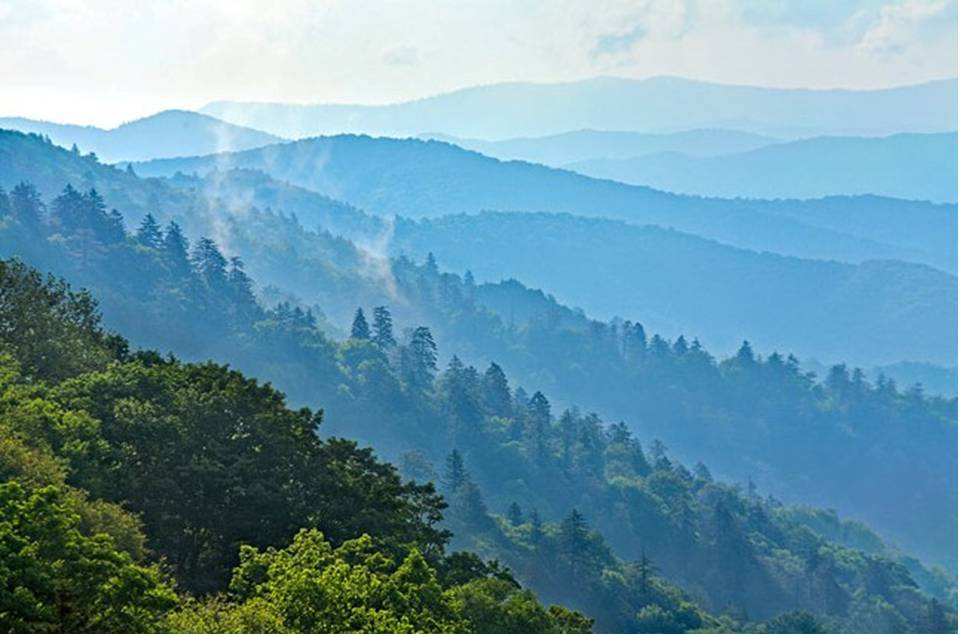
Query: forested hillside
{"type": "Point", "coordinates": [134, 487]}
{"type": "Point", "coordinates": [418, 179]}
{"type": "Point", "coordinates": [540, 478]}
{"type": "Point", "coordinates": [539, 342]}
{"type": "Point", "coordinates": [879, 312]}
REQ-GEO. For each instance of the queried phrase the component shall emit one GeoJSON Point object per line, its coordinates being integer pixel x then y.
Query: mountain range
{"type": "Point", "coordinates": [544, 344]}
{"type": "Point", "coordinates": [912, 166]}
{"type": "Point", "coordinates": [164, 134]}
{"type": "Point", "coordinates": [558, 150]}
{"type": "Point", "coordinates": [418, 179]}
{"type": "Point", "coordinates": [657, 104]}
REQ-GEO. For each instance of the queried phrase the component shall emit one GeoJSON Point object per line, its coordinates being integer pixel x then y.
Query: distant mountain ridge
{"type": "Point", "coordinates": [419, 179]}
{"type": "Point", "coordinates": [910, 166]}
{"type": "Point", "coordinates": [558, 150]}
{"type": "Point", "coordinates": [657, 104]}
{"type": "Point", "coordinates": [165, 134]}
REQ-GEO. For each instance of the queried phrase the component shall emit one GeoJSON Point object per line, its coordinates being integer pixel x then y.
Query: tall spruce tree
{"type": "Point", "coordinates": [360, 329]}
{"type": "Point", "coordinates": [149, 233]}
{"type": "Point", "coordinates": [383, 328]}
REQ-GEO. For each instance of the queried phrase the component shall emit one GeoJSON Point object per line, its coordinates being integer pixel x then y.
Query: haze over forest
{"type": "Point", "coordinates": [592, 346]}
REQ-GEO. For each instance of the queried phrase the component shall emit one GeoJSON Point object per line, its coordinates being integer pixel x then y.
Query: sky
{"type": "Point", "coordinates": [102, 62]}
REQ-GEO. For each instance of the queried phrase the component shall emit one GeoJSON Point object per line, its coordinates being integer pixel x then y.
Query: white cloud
{"type": "Point", "coordinates": [901, 25]}
{"type": "Point", "coordinates": [104, 61]}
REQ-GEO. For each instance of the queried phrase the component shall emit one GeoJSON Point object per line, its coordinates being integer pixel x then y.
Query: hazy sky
{"type": "Point", "coordinates": [103, 62]}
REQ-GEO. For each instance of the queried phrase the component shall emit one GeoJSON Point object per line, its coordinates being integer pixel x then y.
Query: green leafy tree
{"type": "Point", "coordinates": [54, 578]}
{"type": "Point", "coordinates": [795, 622]}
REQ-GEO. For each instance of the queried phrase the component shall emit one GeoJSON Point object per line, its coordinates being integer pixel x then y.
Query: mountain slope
{"type": "Point", "coordinates": [165, 134]}
{"type": "Point", "coordinates": [716, 539]}
{"type": "Point", "coordinates": [418, 179]}
{"type": "Point", "coordinates": [912, 166]}
{"type": "Point", "coordinates": [657, 104]}
{"type": "Point", "coordinates": [799, 444]}
{"type": "Point", "coordinates": [560, 149]}
{"type": "Point", "coordinates": [873, 313]}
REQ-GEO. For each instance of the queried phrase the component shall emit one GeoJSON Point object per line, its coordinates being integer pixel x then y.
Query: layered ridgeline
{"type": "Point", "coordinates": [659, 104]}
{"type": "Point", "coordinates": [730, 550]}
{"type": "Point", "coordinates": [799, 447]}
{"type": "Point", "coordinates": [165, 134]}
{"type": "Point", "coordinates": [557, 150]}
{"type": "Point", "coordinates": [419, 179]}
{"type": "Point", "coordinates": [133, 487]}
{"type": "Point", "coordinates": [212, 461]}
{"type": "Point", "coordinates": [912, 166]}
{"type": "Point", "coordinates": [733, 164]}
{"type": "Point", "coordinates": [429, 179]}
{"type": "Point", "coordinates": [876, 312]}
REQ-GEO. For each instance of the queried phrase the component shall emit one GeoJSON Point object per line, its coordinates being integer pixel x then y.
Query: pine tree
{"type": "Point", "coordinates": [745, 356]}
{"type": "Point", "coordinates": [149, 233]}
{"type": "Point", "coordinates": [574, 539]}
{"type": "Point", "coordinates": [455, 473]}
{"type": "Point", "coordinates": [175, 248]}
{"type": "Point", "coordinates": [26, 206]}
{"type": "Point", "coordinates": [359, 329]}
{"type": "Point", "coordinates": [208, 263]}
{"type": "Point", "coordinates": [496, 391]}
{"type": "Point", "coordinates": [241, 288]}
{"type": "Point", "coordinates": [419, 360]}
{"type": "Point", "coordinates": [383, 328]}
{"type": "Point", "coordinates": [680, 346]}
{"type": "Point", "coordinates": [538, 425]}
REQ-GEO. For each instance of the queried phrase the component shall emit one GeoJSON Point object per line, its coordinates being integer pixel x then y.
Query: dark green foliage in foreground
{"type": "Point", "coordinates": [220, 474]}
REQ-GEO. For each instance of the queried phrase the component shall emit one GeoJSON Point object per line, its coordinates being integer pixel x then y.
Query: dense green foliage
{"type": "Point", "coordinates": [215, 466]}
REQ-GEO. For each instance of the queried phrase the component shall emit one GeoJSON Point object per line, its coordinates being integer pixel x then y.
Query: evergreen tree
{"type": "Point", "coordinates": [680, 346]}
{"type": "Point", "coordinates": [383, 328]}
{"type": "Point", "coordinates": [745, 356]}
{"type": "Point", "coordinates": [175, 249]}
{"type": "Point", "coordinates": [496, 391]}
{"type": "Point", "coordinates": [538, 425]}
{"type": "Point", "coordinates": [244, 302]}
{"type": "Point", "coordinates": [359, 329]}
{"type": "Point", "coordinates": [419, 360]}
{"type": "Point", "coordinates": [574, 539]}
{"type": "Point", "coordinates": [208, 263]}
{"type": "Point", "coordinates": [149, 233]}
{"type": "Point", "coordinates": [455, 472]}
